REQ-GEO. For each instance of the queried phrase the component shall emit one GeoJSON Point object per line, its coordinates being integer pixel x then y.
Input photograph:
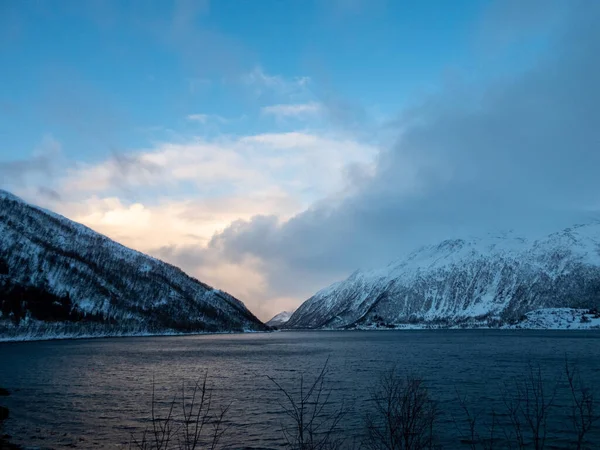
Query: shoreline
{"type": "Point", "coordinates": [18, 340]}
{"type": "Point", "coordinates": [550, 319]}
{"type": "Point", "coordinates": [22, 339]}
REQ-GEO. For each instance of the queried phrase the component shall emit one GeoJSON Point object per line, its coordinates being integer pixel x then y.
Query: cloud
{"type": "Point", "coordinates": [169, 200]}
{"type": "Point", "coordinates": [263, 83]}
{"type": "Point", "coordinates": [50, 194]}
{"type": "Point", "coordinates": [297, 110]}
{"type": "Point", "coordinates": [206, 118]}
{"type": "Point", "coordinates": [32, 171]}
{"type": "Point", "coordinates": [121, 171]}
{"type": "Point", "coordinates": [304, 164]}
{"type": "Point", "coordinates": [520, 153]}
{"type": "Point", "coordinates": [202, 118]}
{"type": "Point", "coordinates": [284, 140]}
{"type": "Point", "coordinates": [272, 217]}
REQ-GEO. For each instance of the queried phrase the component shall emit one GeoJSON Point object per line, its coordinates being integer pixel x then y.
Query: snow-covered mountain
{"type": "Point", "coordinates": [279, 319]}
{"type": "Point", "coordinates": [58, 277]}
{"type": "Point", "coordinates": [491, 281]}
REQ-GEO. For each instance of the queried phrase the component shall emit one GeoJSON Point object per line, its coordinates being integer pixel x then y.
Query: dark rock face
{"type": "Point", "coordinates": [495, 280]}
{"type": "Point", "coordinates": [59, 277]}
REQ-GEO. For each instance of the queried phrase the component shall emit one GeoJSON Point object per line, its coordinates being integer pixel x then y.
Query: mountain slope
{"type": "Point", "coordinates": [279, 319]}
{"type": "Point", "coordinates": [57, 276]}
{"type": "Point", "coordinates": [494, 280]}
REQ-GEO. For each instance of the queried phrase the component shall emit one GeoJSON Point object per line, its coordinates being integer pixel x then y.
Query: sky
{"type": "Point", "coordinates": [271, 148]}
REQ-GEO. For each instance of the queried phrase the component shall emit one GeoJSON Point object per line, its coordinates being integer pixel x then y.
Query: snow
{"type": "Point", "coordinates": [466, 279]}
{"type": "Point", "coordinates": [280, 319]}
{"type": "Point", "coordinates": [104, 277]}
{"type": "Point", "coordinates": [539, 319]}
{"type": "Point", "coordinates": [58, 332]}
{"type": "Point", "coordinates": [560, 319]}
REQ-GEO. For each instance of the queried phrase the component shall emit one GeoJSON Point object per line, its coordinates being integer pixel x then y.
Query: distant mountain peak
{"type": "Point", "coordinates": [279, 319]}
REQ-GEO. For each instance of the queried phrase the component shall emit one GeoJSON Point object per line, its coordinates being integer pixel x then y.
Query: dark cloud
{"type": "Point", "coordinates": [15, 171]}
{"type": "Point", "coordinates": [37, 169]}
{"type": "Point", "coordinates": [182, 257]}
{"type": "Point", "coordinates": [343, 113]}
{"type": "Point", "coordinates": [522, 153]}
{"type": "Point", "coordinates": [49, 194]}
{"type": "Point", "coordinates": [132, 169]}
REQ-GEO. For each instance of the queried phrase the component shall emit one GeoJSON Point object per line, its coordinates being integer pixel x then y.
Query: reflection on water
{"type": "Point", "coordinates": [96, 393]}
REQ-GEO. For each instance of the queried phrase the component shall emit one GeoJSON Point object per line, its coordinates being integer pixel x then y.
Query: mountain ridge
{"type": "Point", "coordinates": [495, 279]}
{"type": "Point", "coordinates": [103, 286]}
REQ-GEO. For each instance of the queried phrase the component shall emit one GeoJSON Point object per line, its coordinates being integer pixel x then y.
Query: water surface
{"type": "Point", "coordinates": [96, 393]}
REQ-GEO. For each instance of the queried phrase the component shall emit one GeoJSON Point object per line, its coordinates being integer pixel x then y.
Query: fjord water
{"type": "Point", "coordinates": [97, 393]}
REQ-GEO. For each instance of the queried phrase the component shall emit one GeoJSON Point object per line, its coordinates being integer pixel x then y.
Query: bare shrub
{"type": "Point", "coordinates": [528, 404]}
{"type": "Point", "coordinates": [311, 422]}
{"type": "Point", "coordinates": [199, 426]}
{"type": "Point", "coordinates": [582, 405]}
{"type": "Point", "coordinates": [404, 415]}
{"type": "Point", "coordinates": [473, 438]}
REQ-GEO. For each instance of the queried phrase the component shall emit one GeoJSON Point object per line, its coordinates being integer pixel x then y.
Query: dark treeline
{"type": "Point", "coordinates": [18, 302]}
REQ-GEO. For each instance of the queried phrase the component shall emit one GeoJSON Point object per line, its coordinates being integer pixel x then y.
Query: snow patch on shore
{"type": "Point", "coordinates": [539, 319]}
{"type": "Point", "coordinates": [560, 319]}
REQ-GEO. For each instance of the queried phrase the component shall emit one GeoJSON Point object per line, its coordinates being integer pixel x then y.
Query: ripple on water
{"type": "Point", "coordinates": [96, 393]}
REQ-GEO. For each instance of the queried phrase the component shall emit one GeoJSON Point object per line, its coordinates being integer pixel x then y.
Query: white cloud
{"type": "Point", "coordinates": [202, 118]}
{"type": "Point", "coordinates": [205, 118]}
{"type": "Point", "coordinates": [262, 82]}
{"type": "Point", "coordinates": [168, 222]}
{"type": "Point", "coordinates": [307, 166]}
{"type": "Point", "coordinates": [297, 110]}
{"type": "Point", "coordinates": [171, 199]}
{"type": "Point", "coordinates": [118, 171]}
{"type": "Point", "coordinates": [291, 139]}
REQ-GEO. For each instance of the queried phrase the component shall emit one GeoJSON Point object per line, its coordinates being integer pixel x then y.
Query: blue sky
{"type": "Point", "coordinates": [272, 147]}
{"type": "Point", "coordinates": [132, 66]}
